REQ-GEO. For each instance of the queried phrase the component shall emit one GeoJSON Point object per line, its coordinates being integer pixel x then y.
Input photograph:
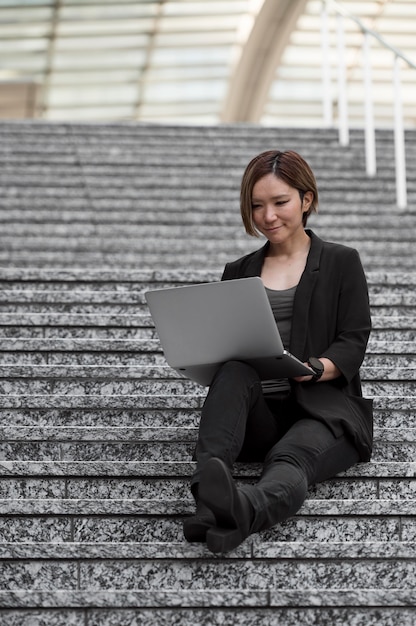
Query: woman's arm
{"type": "Point", "coordinates": [331, 371]}
{"type": "Point", "coordinates": [339, 317]}
{"type": "Point", "coordinates": [347, 350]}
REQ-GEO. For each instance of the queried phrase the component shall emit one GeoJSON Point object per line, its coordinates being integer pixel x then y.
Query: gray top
{"type": "Point", "coordinates": [281, 302]}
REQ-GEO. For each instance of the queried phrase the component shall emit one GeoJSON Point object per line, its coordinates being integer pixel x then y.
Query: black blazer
{"type": "Point", "coordinates": [331, 318]}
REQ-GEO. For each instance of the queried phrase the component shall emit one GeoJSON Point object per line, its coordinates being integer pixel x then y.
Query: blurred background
{"type": "Point", "coordinates": [200, 61]}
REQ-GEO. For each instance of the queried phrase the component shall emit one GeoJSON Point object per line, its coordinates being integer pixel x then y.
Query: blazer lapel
{"type": "Point", "coordinates": [256, 261]}
{"type": "Point", "coordinates": [303, 296]}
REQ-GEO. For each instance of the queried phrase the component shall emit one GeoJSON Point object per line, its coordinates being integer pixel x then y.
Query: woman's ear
{"type": "Point", "coordinates": [307, 200]}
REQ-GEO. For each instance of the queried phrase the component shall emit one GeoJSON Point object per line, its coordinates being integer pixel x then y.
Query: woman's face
{"type": "Point", "coordinates": [278, 209]}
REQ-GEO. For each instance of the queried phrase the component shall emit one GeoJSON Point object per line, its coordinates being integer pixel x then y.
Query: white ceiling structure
{"type": "Point", "coordinates": [194, 61]}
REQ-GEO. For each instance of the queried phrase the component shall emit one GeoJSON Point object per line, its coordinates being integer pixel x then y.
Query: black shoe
{"type": "Point", "coordinates": [195, 528]}
{"type": "Point", "coordinates": [231, 508]}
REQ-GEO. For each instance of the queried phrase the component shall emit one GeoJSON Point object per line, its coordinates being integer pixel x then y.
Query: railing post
{"type": "Point", "coordinates": [344, 138]}
{"type": "Point", "coordinates": [399, 143]}
{"type": "Point", "coordinates": [326, 67]}
{"type": "Point", "coordinates": [399, 135]}
{"type": "Point", "coordinates": [370, 141]}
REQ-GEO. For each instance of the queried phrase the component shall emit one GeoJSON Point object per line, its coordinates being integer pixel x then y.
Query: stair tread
{"type": "Point", "coordinates": [388, 370]}
{"type": "Point", "coordinates": [151, 506]}
{"type": "Point", "coordinates": [261, 549]}
{"type": "Point", "coordinates": [179, 274]}
{"type": "Point", "coordinates": [159, 433]}
{"type": "Point", "coordinates": [212, 597]}
{"type": "Point", "coordinates": [386, 399]}
{"type": "Point", "coordinates": [171, 468]}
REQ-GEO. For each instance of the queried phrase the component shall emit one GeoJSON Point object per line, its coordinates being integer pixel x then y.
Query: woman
{"type": "Point", "coordinates": [307, 429]}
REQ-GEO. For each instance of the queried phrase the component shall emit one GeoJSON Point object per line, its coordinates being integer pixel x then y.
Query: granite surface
{"type": "Point", "coordinates": [219, 574]}
{"type": "Point", "coordinates": [179, 470]}
{"type": "Point", "coordinates": [119, 418]}
{"type": "Point", "coordinates": [140, 550]}
{"type": "Point", "coordinates": [97, 434]}
{"type": "Point", "coordinates": [108, 401]}
{"type": "Point", "coordinates": [64, 446]}
{"type": "Point", "coordinates": [148, 488]}
{"type": "Point", "coordinates": [209, 617]}
{"type": "Point", "coordinates": [394, 414]}
{"type": "Point", "coordinates": [171, 506]}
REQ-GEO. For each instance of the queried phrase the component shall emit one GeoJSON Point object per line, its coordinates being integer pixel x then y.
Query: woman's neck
{"type": "Point", "coordinates": [292, 248]}
{"type": "Point", "coordinates": [284, 265]}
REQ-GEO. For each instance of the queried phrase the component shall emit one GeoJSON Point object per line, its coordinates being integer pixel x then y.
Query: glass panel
{"type": "Point", "coordinates": [24, 65]}
{"type": "Point", "coordinates": [24, 3]}
{"type": "Point", "coordinates": [190, 56]}
{"type": "Point", "coordinates": [111, 11]}
{"type": "Point", "coordinates": [71, 44]}
{"type": "Point", "coordinates": [117, 27]}
{"type": "Point", "coordinates": [105, 114]}
{"type": "Point", "coordinates": [96, 96]}
{"type": "Point", "coordinates": [177, 92]}
{"type": "Point", "coordinates": [217, 7]}
{"type": "Point", "coordinates": [111, 60]}
{"type": "Point", "coordinates": [23, 46]}
{"type": "Point", "coordinates": [88, 77]}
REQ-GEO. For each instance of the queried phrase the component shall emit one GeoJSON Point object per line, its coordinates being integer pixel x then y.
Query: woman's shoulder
{"type": "Point", "coordinates": [333, 248]}
{"type": "Point", "coordinates": [248, 265]}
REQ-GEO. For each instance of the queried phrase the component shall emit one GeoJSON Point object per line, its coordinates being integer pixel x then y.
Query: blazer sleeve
{"type": "Point", "coordinates": [353, 320]}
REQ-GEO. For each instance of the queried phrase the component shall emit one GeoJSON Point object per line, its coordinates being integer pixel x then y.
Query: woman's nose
{"type": "Point", "coordinates": [269, 212]}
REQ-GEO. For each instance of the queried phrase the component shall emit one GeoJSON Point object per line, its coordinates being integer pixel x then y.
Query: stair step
{"type": "Point", "coordinates": [143, 319]}
{"type": "Point", "coordinates": [89, 245]}
{"type": "Point", "coordinates": [157, 452]}
{"type": "Point", "coordinates": [18, 211]}
{"type": "Point", "coordinates": [111, 488]}
{"type": "Point", "coordinates": [130, 298]}
{"type": "Point", "coordinates": [389, 413]}
{"type": "Point", "coordinates": [384, 398]}
{"type": "Point", "coordinates": [97, 433]}
{"type": "Point", "coordinates": [122, 278]}
{"type": "Point", "coordinates": [262, 574]}
{"type": "Point", "coordinates": [326, 550]}
{"type": "Point", "coordinates": [238, 598]}
{"type": "Point", "coordinates": [397, 334]}
{"type": "Point", "coordinates": [107, 529]}
{"type": "Point", "coordinates": [177, 469]}
{"type": "Point", "coordinates": [35, 234]}
{"type": "Point", "coordinates": [386, 369]}
{"type": "Point", "coordinates": [13, 392]}
{"type": "Point", "coordinates": [140, 506]}
{"type": "Point", "coordinates": [359, 607]}
{"type": "Point", "coordinates": [401, 260]}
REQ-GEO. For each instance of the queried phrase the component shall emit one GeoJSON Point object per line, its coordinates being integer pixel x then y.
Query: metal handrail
{"type": "Point", "coordinates": [343, 11]}
{"type": "Point", "coordinates": [399, 138]}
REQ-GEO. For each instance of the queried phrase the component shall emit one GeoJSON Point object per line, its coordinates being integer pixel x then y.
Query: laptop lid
{"type": "Point", "coordinates": [202, 326]}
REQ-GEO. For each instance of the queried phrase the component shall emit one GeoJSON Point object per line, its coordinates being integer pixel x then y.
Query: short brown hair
{"type": "Point", "coordinates": [290, 167]}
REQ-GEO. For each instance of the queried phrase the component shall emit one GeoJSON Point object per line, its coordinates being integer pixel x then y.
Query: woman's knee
{"type": "Point", "coordinates": [237, 370]}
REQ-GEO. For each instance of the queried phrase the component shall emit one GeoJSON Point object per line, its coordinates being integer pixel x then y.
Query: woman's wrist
{"type": "Point", "coordinates": [331, 371]}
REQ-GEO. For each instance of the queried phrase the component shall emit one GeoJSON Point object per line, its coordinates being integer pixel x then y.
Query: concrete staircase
{"type": "Point", "coordinates": [97, 432]}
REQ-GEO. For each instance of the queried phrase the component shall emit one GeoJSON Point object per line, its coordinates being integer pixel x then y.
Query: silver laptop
{"type": "Point", "coordinates": [202, 326]}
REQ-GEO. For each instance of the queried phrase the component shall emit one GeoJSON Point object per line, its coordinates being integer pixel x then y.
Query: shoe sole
{"type": "Point", "coordinates": [195, 531]}
{"type": "Point", "coordinates": [223, 539]}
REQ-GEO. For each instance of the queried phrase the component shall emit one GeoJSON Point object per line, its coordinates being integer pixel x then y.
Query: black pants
{"type": "Point", "coordinates": [239, 424]}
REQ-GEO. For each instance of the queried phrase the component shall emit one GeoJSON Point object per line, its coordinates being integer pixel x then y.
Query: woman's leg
{"type": "Point", "coordinates": [308, 453]}
{"type": "Point", "coordinates": [234, 411]}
